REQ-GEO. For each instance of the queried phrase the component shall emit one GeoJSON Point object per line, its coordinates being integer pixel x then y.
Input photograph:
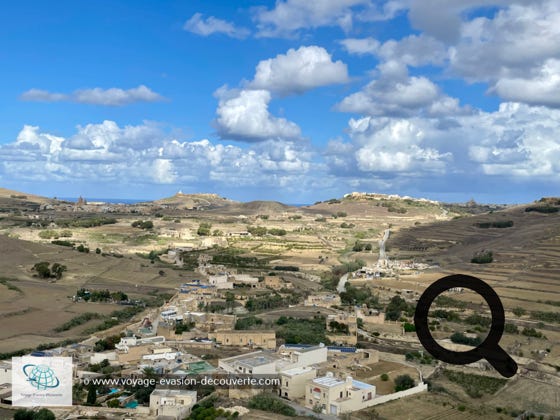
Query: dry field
{"type": "Point", "coordinates": [32, 307]}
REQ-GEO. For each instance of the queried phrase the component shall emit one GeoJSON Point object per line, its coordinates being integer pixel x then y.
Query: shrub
{"type": "Point", "coordinates": [403, 382]}
{"type": "Point", "coordinates": [499, 224]}
{"type": "Point", "coordinates": [482, 257]}
{"type": "Point", "coordinates": [384, 377]}
{"type": "Point", "coordinates": [286, 268]}
{"type": "Point", "coordinates": [408, 327]}
{"type": "Point", "coordinates": [248, 323]}
{"type": "Point", "coordinates": [141, 224]}
{"type": "Point", "coordinates": [42, 269]}
{"type": "Point", "coordinates": [542, 209]}
{"type": "Point", "coordinates": [461, 338]}
{"type": "Point", "coordinates": [204, 229]}
{"type": "Point", "coordinates": [267, 402]}
{"type": "Point", "coordinates": [475, 385]}
{"type": "Point", "coordinates": [517, 311]}
{"type": "Point", "coordinates": [257, 230]}
{"type": "Point", "coordinates": [63, 243]}
{"type": "Point", "coordinates": [531, 332]}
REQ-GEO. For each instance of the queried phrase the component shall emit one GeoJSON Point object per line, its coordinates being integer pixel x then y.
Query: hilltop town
{"type": "Point", "coordinates": [317, 299]}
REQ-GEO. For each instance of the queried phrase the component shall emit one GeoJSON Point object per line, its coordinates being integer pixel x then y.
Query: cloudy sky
{"type": "Point", "coordinates": [291, 100]}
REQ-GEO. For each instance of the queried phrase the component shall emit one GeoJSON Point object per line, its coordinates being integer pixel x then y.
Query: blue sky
{"type": "Point", "coordinates": [291, 100]}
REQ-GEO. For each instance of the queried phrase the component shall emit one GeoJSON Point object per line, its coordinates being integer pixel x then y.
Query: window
{"type": "Point", "coordinates": [340, 394]}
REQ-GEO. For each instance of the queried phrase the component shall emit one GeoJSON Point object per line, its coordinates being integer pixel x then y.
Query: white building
{"type": "Point", "coordinates": [294, 382]}
{"type": "Point", "coordinates": [258, 362]}
{"type": "Point", "coordinates": [268, 363]}
{"type": "Point", "coordinates": [172, 403]}
{"type": "Point", "coordinates": [336, 396]}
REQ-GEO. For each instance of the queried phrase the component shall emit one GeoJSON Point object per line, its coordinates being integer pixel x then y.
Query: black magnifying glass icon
{"type": "Point", "coordinates": [489, 349]}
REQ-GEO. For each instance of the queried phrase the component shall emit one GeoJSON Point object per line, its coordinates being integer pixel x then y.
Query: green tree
{"type": "Point", "coordinates": [26, 414]}
{"type": "Point", "coordinates": [42, 269]}
{"type": "Point", "coordinates": [57, 270]}
{"type": "Point", "coordinates": [403, 382]}
{"type": "Point", "coordinates": [91, 395]}
{"type": "Point", "coordinates": [204, 229]}
{"type": "Point", "coordinates": [114, 403]}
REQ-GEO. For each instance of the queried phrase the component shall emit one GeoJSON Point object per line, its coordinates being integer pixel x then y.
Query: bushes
{"type": "Point", "coordinates": [277, 232]}
{"type": "Point", "coordinates": [78, 320]}
{"type": "Point", "coordinates": [141, 224]}
{"type": "Point", "coordinates": [403, 382]}
{"type": "Point", "coordinates": [88, 222]}
{"type": "Point", "coordinates": [82, 248]}
{"type": "Point", "coordinates": [257, 230]}
{"type": "Point", "coordinates": [204, 229]}
{"type": "Point", "coordinates": [408, 327]}
{"type": "Point", "coordinates": [396, 306]}
{"type": "Point", "coordinates": [447, 301]}
{"type": "Point", "coordinates": [267, 402]}
{"type": "Point", "coordinates": [447, 315]}
{"type": "Point", "coordinates": [29, 414]}
{"type": "Point", "coordinates": [423, 358]}
{"type": "Point", "coordinates": [461, 338]}
{"type": "Point", "coordinates": [63, 243]}
{"type": "Point", "coordinates": [285, 268]}
{"type": "Point", "coordinates": [531, 332]}
{"type": "Point", "coordinates": [248, 323]}
{"type": "Point", "coordinates": [542, 209]}
{"type": "Point", "coordinates": [499, 224]}
{"type": "Point", "coordinates": [482, 257]}
{"type": "Point", "coordinates": [353, 295]}
{"type": "Point", "coordinates": [475, 385]}
{"type": "Point", "coordinates": [306, 331]}
{"type": "Point", "coordinates": [270, 302]}
{"type": "Point", "coordinates": [181, 327]}
{"type": "Point", "coordinates": [553, 317]}
{"type": "Point", "coordinates": [45, 271]}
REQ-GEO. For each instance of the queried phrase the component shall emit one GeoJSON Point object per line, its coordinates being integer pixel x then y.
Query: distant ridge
{"type": "Point", "coordinates": [195, 201]}
{"type": "Point", "coordinates": [7, 194]}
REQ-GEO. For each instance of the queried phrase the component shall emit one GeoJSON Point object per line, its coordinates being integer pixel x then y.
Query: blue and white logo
{"type": "Point", "coordinates": [41, 377]}
{"type": "Point", "coordinates": [42, 381]}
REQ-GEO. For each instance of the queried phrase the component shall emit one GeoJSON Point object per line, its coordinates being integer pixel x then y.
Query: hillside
{"type": "Point", "coordinates": [15, 200]}
{"type": "Point", "coordinates": [194, 201]}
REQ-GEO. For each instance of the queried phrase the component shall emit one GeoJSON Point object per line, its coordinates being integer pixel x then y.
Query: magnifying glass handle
{"type": "Point", "coordinates": [501, 361]}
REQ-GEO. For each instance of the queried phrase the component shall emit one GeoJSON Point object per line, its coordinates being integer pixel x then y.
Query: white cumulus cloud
{"type": "Point", "coordinates": [395, 93]}
{"type": "Point", "coordinates": [289, 16]}
{"type": "Point", "coordinates": [298, 71]}
{"type": "Point", "coordinates": [243, 115]}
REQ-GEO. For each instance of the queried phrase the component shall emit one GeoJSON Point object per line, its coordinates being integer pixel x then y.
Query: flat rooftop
{"type": "Point", "coordinates": [297, 371]}
{"type": "Point", "coordinates": [328, 381]}
{"type": "Point", "coordinates": [172, 392]}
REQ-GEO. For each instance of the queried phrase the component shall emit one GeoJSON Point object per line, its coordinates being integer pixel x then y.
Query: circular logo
{"type": "Point", "coordinates": [41, 377]}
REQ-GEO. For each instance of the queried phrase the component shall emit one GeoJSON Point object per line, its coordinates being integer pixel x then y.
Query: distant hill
{"type": "Point", "coordinates": [11, 200]}
{"type": "Point", "coordinates": [16, 195]}
{"type": "Point", "coordinates": [195, 201]}
{"type": "Point", "coordinates": [260, 207]}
